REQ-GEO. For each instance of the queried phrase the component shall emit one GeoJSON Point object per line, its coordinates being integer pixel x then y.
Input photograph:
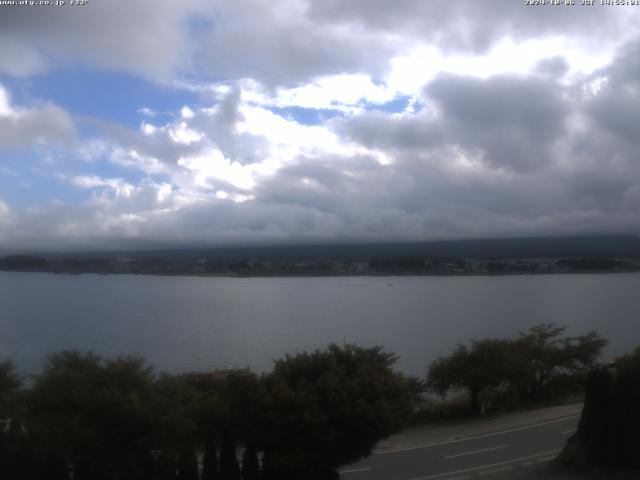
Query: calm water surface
{"type": "Point", "coordinates": [190, 323]}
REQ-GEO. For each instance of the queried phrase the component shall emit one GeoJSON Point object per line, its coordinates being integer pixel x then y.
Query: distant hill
{"type": "Point", "coordinates": [582, 246]}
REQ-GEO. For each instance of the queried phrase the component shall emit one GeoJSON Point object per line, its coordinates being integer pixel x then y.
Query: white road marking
{"type": "Point", "coordinates": [355, 470]}
{"type": "Point", "coordinates": [567, 432]}
{"type": "Point", "coordinates": [495, 470]}
{"type": "Point", "coordinates": [482, 467]}
{"type": "Point", "coordinates": [476, 451]}
{"type": "Point", "coordinates": [486, 435]}
{"type": "Point", "coordinates": [545, 459]}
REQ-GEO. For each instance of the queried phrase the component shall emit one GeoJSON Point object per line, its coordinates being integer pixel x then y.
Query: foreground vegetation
{"type": "Point", "coordinates": [607, 434]}
{"type": "Point", "coordinates": [541, 364]}
{"type": "Point", "coordinates": [90, 418]}
{"type": "Point", "coordinates": [115, 419]}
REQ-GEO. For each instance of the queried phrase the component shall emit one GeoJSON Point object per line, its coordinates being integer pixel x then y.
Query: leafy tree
{"type": "Point", "coordinates": [166, 465]}
{"type": "Point", "coordinates": [175, 404]}
{"type": "Point", "coordinates": [610, 422]}
{"type": "Point", "coordinates": [14, 460]}
{"type": "Point", "coordinates": [522, 367]}
{"type": "Point", "coordinates": [250, 464]}
{"type": "Point", "coordinates": [229, 468]}
{"type": "Point", "coordinates": [45, 465]}
{"type": "Point", "coordinates": [626, 422]}
{"type": "Point", "coordinates": [329, 408]}
{"type": "Point", "coordinates": [18, 460]}
{"type": "Point", "coordinates": [187, 464]}
{"type": "Point", "coordinates": [210, 460]}
{"type": "Point", "coordinates": [542, 353]}
{"type": "Point", "coordinates": [10, 383]}
{"type": "Point", "coordinates": [485, 364]}
{"type": "Point", "coordinates": [94, 413]}
{"type": "Point", "coordinates": [583, 351]}
{"type": "Point", "coordinates": [229, 409]}
{"type": "Point", "coordinates": [239, 413]}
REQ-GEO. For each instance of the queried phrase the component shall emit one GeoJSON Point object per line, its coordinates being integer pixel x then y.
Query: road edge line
{"type": "Point", "coordinates": [473, 469]}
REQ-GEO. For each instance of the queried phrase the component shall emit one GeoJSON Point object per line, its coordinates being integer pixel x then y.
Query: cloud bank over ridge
{"type": "Point", "coordinates": [319, 122]}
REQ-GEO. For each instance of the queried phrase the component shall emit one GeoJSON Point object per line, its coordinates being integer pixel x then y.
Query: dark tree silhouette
{"type": "Point", "coordinates": [229, 468]}
{"type": "Point", "coordinates": [166, 465]}
{"type": "Point", "coordinates": [523, 367]}
{"type": "Point", "coordinates": [485, 364]}
{"type": "Point", "coordinates": [94, 413]}
{"type": "Point", "coordinates": [250, 463]}
{"type": "Point", "coordinates": [210, 460]}
{"type": "Point", "coordinates": [543, 352]}
{"type": "Point", "coordinates": [105, 419]}
{"type": "Point", "coordinates": [187, 464]}
{"type": "Point", "coordinates": [10, 383]}
{"type": "Point", "coordinates": [12, 441]}
{"type": "Point", "coordinates": [329, 408]}
{"type": "Point", "coordinates": [610, 423]}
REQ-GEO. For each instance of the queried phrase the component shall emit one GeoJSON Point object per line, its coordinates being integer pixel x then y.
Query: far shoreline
{"type": "Point", "coordinates": [327, 275]}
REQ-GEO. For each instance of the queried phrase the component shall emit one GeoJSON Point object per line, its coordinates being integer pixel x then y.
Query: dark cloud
{"type": "Point", "coordinates": [509, 121]}
{"type": "Point", "coordinates": [616, 105]}
{"type": "Point", "coordinates": [278, 44]}
{"type": "Point", "coordinates": [148, 37]}
{"type": "Point", "coordinates": [512, 121]}
{"type": "Point", "coordinates": [469, 24]}
{"type": "Point", "coordinates": [228, 108]}
{"type": "Point", "coordinates": [380, 130]}
{"type": "Point", "coordinates": [544, 152]}
{"type": "Point", "coordinates": [274, 43]}
{"type": "Point", "coordinates": [545, 166]}
{"type": "Point", "coordinates": [286, 42]}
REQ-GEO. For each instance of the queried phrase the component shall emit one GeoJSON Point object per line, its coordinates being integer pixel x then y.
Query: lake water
{"type": "Point", "coordinates": [191, 323]}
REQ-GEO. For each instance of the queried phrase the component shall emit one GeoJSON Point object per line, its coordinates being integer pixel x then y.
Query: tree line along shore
{"type": "Point", "coordinates": [92, 418]}
{"type": "Point", "coordinates": [397, 265]}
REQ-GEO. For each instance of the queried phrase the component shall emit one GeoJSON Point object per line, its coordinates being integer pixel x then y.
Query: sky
{"type": "Point", "coordinates": [156, 123]}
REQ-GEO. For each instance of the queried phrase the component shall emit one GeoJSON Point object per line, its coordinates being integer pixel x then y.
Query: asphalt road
{"type": "Point", "coordinates": [502, 454]}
